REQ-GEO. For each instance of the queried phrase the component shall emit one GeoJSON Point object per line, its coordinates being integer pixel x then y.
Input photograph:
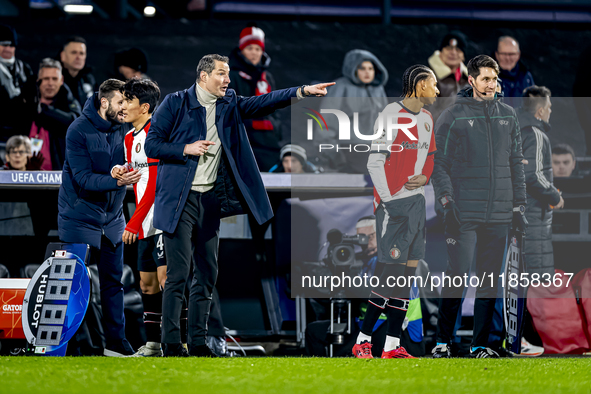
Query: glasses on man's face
{"type": "Point", "coordinates": [508, 54]}
{"type": "Point", "coordinates": [18, 152]}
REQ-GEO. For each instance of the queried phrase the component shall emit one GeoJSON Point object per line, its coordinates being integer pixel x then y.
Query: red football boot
{"type": "Point", "coordinates": [362, 350]}
{"type": "Point", "coordinates": [397, 353]}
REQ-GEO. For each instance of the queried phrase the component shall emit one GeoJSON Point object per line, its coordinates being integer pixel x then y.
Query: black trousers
{"type": "Point", "coordinates": [197, 234]}
{"type": "Point", "coordinates": [489, 242]}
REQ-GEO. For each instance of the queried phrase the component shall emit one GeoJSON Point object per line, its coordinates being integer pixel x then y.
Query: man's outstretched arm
{"type": "Point", "coordinates": [266, 104]}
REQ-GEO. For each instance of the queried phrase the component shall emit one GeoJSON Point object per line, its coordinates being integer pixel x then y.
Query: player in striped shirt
{"type": "Point", "coordinates": [142, 96]}
{"type": "Point", "coordinates": [400, 165]}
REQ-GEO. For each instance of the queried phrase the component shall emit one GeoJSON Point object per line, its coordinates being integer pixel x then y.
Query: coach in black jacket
{"type": "Point", "coordinates": [541, 193]}
{"type": "Point", "coordinates": [478, 177]}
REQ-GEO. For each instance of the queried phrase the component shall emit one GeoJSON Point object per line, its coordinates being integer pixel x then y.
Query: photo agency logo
{"type": "Point", "coordinates": [385, 130]}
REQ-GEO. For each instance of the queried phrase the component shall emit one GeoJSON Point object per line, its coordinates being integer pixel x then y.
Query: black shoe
{"type": "Point", "coordinates": [441, 351]}
{"type": "Point", "coordinates": [174, 350]}
{"type": "Point", "coordinates": [484, 352]}
{"type": "Point", "coordinates": [201, 351]}
{"type": "Point", "coordinates": [118, 349]}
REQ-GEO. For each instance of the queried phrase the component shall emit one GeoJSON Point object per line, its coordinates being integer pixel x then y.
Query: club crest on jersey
{"type": "Point", "coordinates": [427, 127]}
{"type": "Point", "coordinates": [395, 253]}
{"type": "Point", "coordinates": [138, 148]}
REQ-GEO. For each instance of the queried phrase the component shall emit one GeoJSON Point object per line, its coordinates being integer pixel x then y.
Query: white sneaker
{"type": "Point", "coordinates": [529, 350]}
{"type": "Point", "coordinates": [150, 349]}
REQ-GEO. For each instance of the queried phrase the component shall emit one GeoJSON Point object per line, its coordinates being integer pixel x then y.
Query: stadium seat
{"type": "Point", "coordinates": [4, 272]}
{"type": "Point", "coordinates": [29, 270]}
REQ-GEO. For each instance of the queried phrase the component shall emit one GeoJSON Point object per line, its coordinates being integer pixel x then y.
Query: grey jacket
{"type": "Point", "coordinates": [479, 159]}
{"type": "Point", "coordinates": [541, 193]}
{"type": "Point", "coordinates": [351, 95]}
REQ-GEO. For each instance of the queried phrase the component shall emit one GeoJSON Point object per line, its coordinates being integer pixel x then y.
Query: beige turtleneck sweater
{"type": "Point", "coordinates": [207, 168]}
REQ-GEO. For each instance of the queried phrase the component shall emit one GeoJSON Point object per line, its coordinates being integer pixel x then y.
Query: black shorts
{"type": "Point", "coordinates": [400, 230]}
{"type": "Point", "coordinates": [150, 253]}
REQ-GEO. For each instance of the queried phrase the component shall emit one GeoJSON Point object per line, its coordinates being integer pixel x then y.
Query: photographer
{"type": "Point", "coordinates": [317, 338]}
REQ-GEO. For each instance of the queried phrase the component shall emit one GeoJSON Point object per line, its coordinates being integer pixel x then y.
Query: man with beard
{"type": "Point", "coordinates": [90, 200]}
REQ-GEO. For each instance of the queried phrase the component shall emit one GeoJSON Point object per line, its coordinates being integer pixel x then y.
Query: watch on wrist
{"type": "Point", "coordinates": [303, 91]}
{"type": "Point", "coordinates": [520, 209]}
{"type": "Point", "coordinates": [445, 200]}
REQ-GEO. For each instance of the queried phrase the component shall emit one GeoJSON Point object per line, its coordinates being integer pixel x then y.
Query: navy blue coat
{"type": "Point", "coordinates": [90, 202]}
{"type": "Point", "coordinates": [180, 120]}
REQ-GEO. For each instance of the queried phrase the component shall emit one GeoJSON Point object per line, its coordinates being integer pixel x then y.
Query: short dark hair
{"type": "Point", "coordinates": [145, 90]}
{"type": "Point", "coordinates": [74, 39]}
{"type": "Point", "coordinates": [207, 63]}
{"type": "Point", "coordinates": [564, 149]}
{"type": "Point", "coordinates": [481, 61]}
{"type": "Point", "coordinates": [536, 98]}
{"type": "Point", "coordinates": [109, 87]}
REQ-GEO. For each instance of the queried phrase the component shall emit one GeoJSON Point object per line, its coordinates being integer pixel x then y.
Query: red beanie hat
{"type": "Point", "coordinates": [251, 35]}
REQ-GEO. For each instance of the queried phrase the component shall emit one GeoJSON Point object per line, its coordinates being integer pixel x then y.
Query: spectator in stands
{"type": "Point", "coordinates": [90, 201]}
{"type": "Point", "coordinates": [18, 155]}
{"type": "Point", "coordinates": [17, 87]}
{"type": "Point", "coordinates": [564, 160]}
{"type": "Point", "coordinates": [77, 75]}
{"type": "Point", "coordinates": [448, 65]}
{"type": "Point", "coordinates": [249, 76]}
{"type": "Point", "coordinates": [515, 76]}
{"type": "Point", "coordinates": [293, 159]}
{"type": "Point", "coordinates": [365, 76]}
{"type": "Point", "coordinates": [131, 63]}
{"type": "Point", "coordinates": [56, 110]}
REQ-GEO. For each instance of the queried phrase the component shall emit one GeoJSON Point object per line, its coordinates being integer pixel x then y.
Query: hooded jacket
{"type": "Point", "coordinates": [541, 193]}
{"type": "Point", "coordinates": [479, 159]}
{"type": "Point", "coordinates": [90, 203]}
{"type": "Point", "coordinates": [375, 100]}
{"type": "Point", "coordinates": [264, 133]}
{"type": "Point", "coordinates": [446, 83]}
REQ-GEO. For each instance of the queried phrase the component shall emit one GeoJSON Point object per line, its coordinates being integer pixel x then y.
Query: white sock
{"type": "Point", "coordinates": [391, 343]}
{"type": "Point", "coordinates": [153, 345]}
{"type": "Point", "coordinates": [362, 338]}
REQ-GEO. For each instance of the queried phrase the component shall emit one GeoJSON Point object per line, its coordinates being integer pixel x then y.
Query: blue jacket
{"type": "Point", "coordinates": [90, 202]}
{"type": "Point", "coordinates": [180, 120]}
{"type": "Point", "coordinates": [515, 81]}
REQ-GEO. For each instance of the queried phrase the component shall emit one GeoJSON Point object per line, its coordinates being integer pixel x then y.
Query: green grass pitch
{"type": "Point", "coordinates": [88, 375]}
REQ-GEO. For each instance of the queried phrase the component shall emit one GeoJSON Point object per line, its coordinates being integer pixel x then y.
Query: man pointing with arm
{"type": "Point", "coordinates": [207, 171]}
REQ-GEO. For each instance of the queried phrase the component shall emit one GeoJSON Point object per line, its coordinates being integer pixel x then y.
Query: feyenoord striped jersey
{"type": "Point", "coordinates": [393, 162]}
{"type": "Point", "coordinates": [141, 222]}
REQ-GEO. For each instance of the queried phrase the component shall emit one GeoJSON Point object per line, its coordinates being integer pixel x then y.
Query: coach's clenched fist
{"type": "Point", "coordinates": [197, 148]}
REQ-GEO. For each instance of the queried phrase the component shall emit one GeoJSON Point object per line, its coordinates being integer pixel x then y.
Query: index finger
{"type": "Point", "coordinates": [324, 85]}
{"type": "Point", "coordinates": [208, 142]}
